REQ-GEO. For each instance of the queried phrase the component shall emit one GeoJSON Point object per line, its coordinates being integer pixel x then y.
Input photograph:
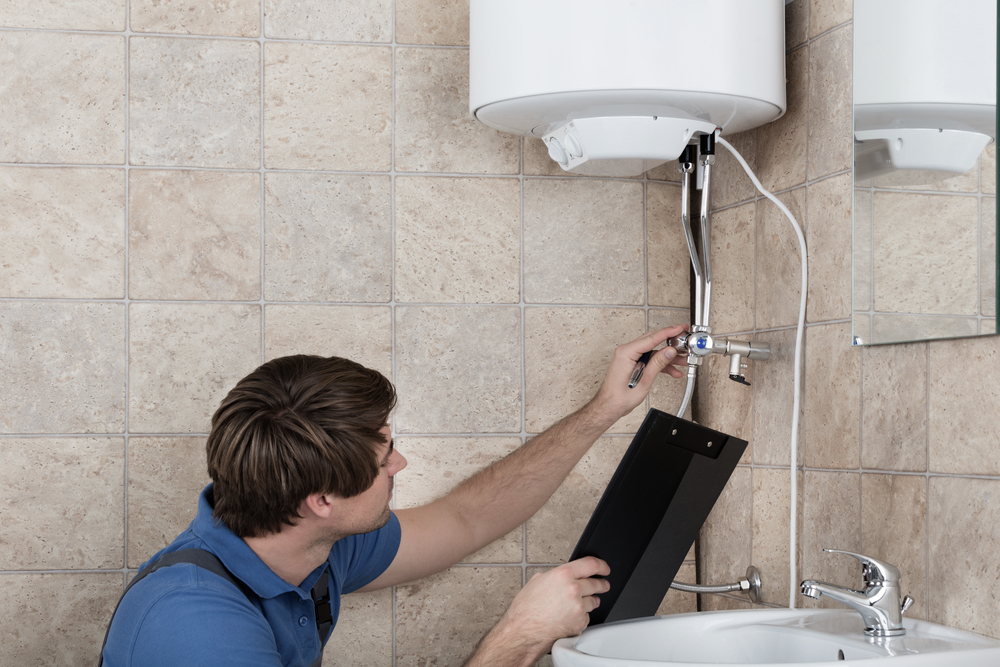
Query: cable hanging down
{"type": "Point", "coordinates": [799, 332]}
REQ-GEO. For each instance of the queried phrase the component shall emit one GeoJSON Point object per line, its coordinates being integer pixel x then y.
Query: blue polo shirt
{"type": "Point", "coordinates": [186, 615]}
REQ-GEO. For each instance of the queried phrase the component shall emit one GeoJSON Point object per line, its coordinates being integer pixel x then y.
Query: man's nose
{"type": "Point", "coordinates": [399, 461]}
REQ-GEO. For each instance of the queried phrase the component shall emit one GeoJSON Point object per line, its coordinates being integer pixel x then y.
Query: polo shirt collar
{"type": "Point", "coordinates": [239, 558]}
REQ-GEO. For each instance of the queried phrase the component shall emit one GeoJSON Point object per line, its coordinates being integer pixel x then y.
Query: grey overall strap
{"type": "Point", "coordinates": [209, 561]}
{"type": "Point", "coordinates": [324, 614]}
{"type": "Point", "coordinates": [198, 557]}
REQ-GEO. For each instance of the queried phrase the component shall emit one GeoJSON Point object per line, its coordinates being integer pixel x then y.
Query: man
{"type": "Point", "coordinates": [298, 513]}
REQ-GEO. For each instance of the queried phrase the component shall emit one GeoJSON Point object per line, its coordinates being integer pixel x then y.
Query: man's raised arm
{"type": "Point", "coordinates": [504, 495]}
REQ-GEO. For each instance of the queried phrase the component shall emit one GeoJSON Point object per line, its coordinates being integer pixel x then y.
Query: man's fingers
{"type": "Point", "coordinates": [652, 339]}
{"type": "Point", "coordinates": [590, 587]}
{"type": "Point", "coordinates": [588, 566]}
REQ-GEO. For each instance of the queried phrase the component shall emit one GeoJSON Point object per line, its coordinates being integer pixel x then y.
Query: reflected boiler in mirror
{"type": "Point", "coordinates": [925, 230]}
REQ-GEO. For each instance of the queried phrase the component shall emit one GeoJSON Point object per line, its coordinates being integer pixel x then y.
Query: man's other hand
{"type": "Point", "coordinates": [552, 605]}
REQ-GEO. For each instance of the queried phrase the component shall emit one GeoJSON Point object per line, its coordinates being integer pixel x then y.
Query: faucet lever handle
{"type": "Point", "coordinates": [875, 570]}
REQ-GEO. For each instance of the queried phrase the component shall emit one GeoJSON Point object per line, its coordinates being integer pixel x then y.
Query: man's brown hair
{"type": "Point", "coordinates": [295, 426]}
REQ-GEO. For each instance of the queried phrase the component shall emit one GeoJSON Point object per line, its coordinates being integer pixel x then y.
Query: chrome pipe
{"type": "Point", "coordinates": [751, 584]}
{"type": "Point", "coordinates": [706, 239]}
{"type": "Point", "coordinates": [686, 168]}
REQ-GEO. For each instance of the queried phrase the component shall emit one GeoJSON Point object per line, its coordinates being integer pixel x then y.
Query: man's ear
{"type": "Point", "coordinates": [320, 504]}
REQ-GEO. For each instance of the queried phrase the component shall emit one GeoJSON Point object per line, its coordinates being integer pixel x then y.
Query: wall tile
{"type": "Point", "coordinates": [724, 603]}
{"type": "Point", "coordinates": [235, 18]}
{"type": "Point", "coordinates": [827, 14]}
{"type": "Point", "coordinates": [781, 162]}
{"type": "Point", "coordinates": [830, 134]}
{"type": "Point", "coordinates": [829, 209]}
{"type": "Point", "coordinates": [56, 619]}
{"type": "Point", "coordinates": [894, 399]}
{"type": "Point", "coordinates": [967, 182]}
{"type": "Point", "coordinates": [832, 398]}
{"type": "Point", "coordinates": [773, 387]}
{"type": "Point", "coordinates": [363, 634]}
{"type": "Point", "coordinates": [726, 536]}
{"type": "Point", "coordinates": [566, 355]}
{"type": "Point", "coordinates": [920, 327]}
{"type": "Point", "coordinates": [64, 233]}
{"type": "Point", "coordinates": [306, 128]}
{"type": "Point", "coordinates": [436, 132]}
{"type": "Point", "coordinates": [63, 367]}
{"type": "Point", "coordinates": [62, 503]}
{"type": "Point", "coordinates": [668, 393]}
{"type": "Point", "coordinates": [665, 172]}
{"type": "Point", "coordinates": [67, 105]}
{"type": "Point", "coordinates": [729, 182]}
{"type": "Point", "coordinates": [779, 271]}
{"type": "Point", "coordinates": [165, 478]}
{"type": "Point", "coordinates": [194, 235]}
{"type": "Point", "coordinates": [440, 620]}
{"type": "Point", "coordinates": [771, 517]}
{"type": "Point", "coordinates": [676, 602]}
{"type": "Point", "coordinates": [668, 271]}
{"type": "Point", "coordinates": [831, 515]}
{"type": "Point", "coordinates": [921, 270]}
{"type": "Point", "coordinates": [184, 359]}
{"type": "Point", "coordinates": [796, 23]}
{"type": "Point", "coordinates": [862, 258]}
{"type": "Point", "coordinates": [731, 403]}
{"type": "Point", "coordinates": [360, 333]}
{"type": "Point", "coordinates": [962, 567]}
{"type": "Point", "coordinates": [988, 326]}
{"type": "Point", "coordinates": [194, 102]}
{"type": "Point", "coordinates": [894, 529]}
{"type": "Point", "coordinates": [988, 257]}
{"type": "Point", "coordinates": [356, 21]}
{"type": "Point", "coordinates": [733, 232]}
{"type": "Point", "coordinates": [555, 529]}
{"type": "Point", "coordinates": [107, 15]}
{"type": "Point", "coordinates": [328, 238]}
{"type": "Point", "coordinates": [583, 242]}
{"type": "Point", "coordinates": [963, 424]}
{"type": "Point", "coordinates": [441, 22]}
{"type": "Point", "coordinates": [458, 369]}
{"type": "Point", "coordinates": [458, 240]}
{"type": "Point", "coordinates": [435, 466]}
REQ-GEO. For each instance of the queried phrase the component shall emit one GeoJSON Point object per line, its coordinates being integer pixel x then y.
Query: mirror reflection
{"type": "Point", "coordinates": [925, 251]}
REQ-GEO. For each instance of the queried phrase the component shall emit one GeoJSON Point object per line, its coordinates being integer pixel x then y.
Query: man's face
{"type": "Point", "coordinates": [372, 504]}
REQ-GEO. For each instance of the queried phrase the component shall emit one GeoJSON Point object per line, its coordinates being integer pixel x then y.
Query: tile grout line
{"type": "Point", "coordinates": [524, 365]}
{"type": "Point", "coordinates": [393, 594]}
{"type": "Point", "coordinates": [128, 309]}
{"type": "Point", "coordinates": [263, 189]}
{"type": "Point", "coordinates": [927, 487]}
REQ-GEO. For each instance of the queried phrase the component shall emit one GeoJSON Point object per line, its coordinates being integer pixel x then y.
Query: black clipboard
{"type": "Point", "coordinates": [651, 512]}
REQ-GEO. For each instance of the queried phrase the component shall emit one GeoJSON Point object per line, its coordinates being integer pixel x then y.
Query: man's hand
{"type": "Point", "coordinates": [551, 606]}
{"type": "Point", "coordinates": [615, 398]}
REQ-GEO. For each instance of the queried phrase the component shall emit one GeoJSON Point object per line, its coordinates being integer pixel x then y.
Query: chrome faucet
{"type": "Point", "coordinates": [880, 603]}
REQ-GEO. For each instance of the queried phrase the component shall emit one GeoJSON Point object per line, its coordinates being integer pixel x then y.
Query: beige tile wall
{"type": "Point", "coordinates": [224, 183]}
{"type": "Point", "coordinates": [898, 443]}
{"type": "Point", "coordinates": [210, 189]}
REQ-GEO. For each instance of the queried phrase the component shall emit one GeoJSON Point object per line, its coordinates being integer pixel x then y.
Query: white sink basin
{"type": "Point", "coordinates": [786, 637]}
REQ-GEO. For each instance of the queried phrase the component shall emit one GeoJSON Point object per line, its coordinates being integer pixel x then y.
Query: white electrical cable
{"type": "Point", "coordinates": [799, 331]}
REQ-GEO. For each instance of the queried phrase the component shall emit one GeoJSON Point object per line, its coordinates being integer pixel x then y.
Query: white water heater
{"type": "Point", "coordinates": [615, 87]}
{"type": "Point", "coordinates": [925, 75]}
